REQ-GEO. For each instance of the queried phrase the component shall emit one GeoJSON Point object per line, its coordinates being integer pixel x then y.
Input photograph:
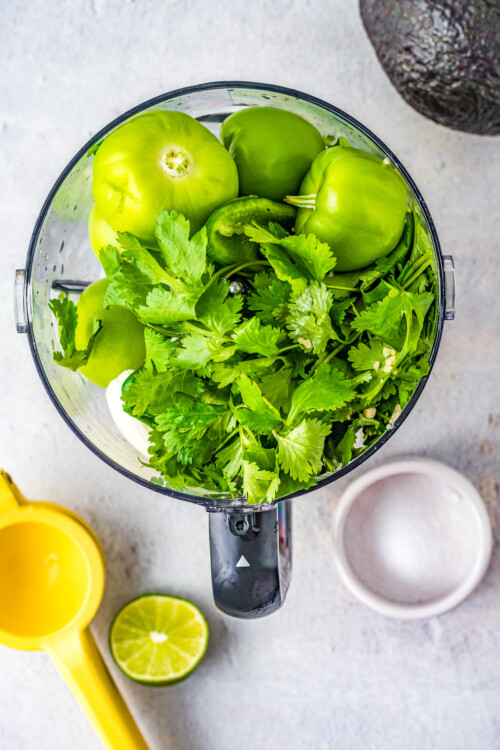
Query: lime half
{"type": "Point", "coordinates": [158, 639]}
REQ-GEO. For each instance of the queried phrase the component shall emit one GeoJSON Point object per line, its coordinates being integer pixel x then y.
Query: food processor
{"type": "Point", "coordinates": [250, 545]}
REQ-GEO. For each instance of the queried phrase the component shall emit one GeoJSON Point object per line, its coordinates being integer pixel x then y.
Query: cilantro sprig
{"type": "Point", "coordinates": [257, 395]}
{"type": "Point", "coordinates": [64, 311]}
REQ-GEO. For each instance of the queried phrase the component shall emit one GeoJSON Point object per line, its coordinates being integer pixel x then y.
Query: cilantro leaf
{"type": "Point", "coordinates": [197, 350]}
{"type": "Point", "coordinates": [257, 413]}
{"type": "Point", "coordinates": [141, 266]}
{"type": "Point", "coordinates": [367, 356]}
{"type": "Point", "coordinates": [327, 390]}
{"type": "Point", "coordinates": [126, 287]}
{"type": "Point", "coordinates": [159, 350]}
{"type": "Point", "coordinates": [65, 312]}
{"type": "Point", "coordinates": [164, 308]}
{"type": "Point", "coordinates": [179, 445]}
{"type": "Point", "coordinates": [156, 293]}
{"type": "Point", "coordinates": [308, 318]}
{"type": "Point", "coordinates": [338, 310]}
{"type": "Point", "coordinates": [277, 230]}
{"type": "Point", "coordinates": [262, 280]}
{"type": "Point", "coordinates": [195, 420]}
{"type": "Point", "coordinates": [377, 293]}
{"type": "Point", "coordinates": [128, 241]}
{"type": "Point", "coordinates": [150, 391]}
{"type": "Point", "coordinates": [336, 363]}
{"type": "Point", "coordinates": [277, 387]}
{"type": "Point", "coordinates": [344, 284]}
{"type": "Point", "coordinates": [177, 476]}
{"type": "Point", "coordinates": [185, 258]}
{"type": "Point", "coordinates": [226, 374]}
{"type": "Point", "coordinates": [219, 313]}
{"type": "Point", "coordinates": [265, 458]}
{"type": "Point", "coordinates": [230, 458]}
{"type": "Point", "coordinates": [346, 446]}
{"type": "Point", "coordinates": [312, 256]}
{"type": "Point", "coordinates": [288, 485]}
{"type": "Point", "coordinates": [270, 303]}
{"type": "Point", "coordinates": [384, 319]}
{"type": "Point", "coordinates": [110, 258]}
{"type": "Point", "coordinates": [300, 451]}
{"type": "Point", "coordinates": [253, 338]}
{"type": "Point", "coordinates": [284, 268]}
{"type": "Point", "coordinates": [259, 485]}
{"type": "Point", "coordinates": [262, 235]}
{"type": "Point", "coordinates": [408, 377]}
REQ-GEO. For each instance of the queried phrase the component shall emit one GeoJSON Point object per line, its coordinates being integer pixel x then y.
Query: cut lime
{"type": "Point", "coordinates": [158, 639]}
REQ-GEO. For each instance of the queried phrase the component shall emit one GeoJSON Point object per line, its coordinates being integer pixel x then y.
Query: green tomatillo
{"type": "Point", "coordinates": [354, 201]}
{"type": "Point", "coordinates": [118, 346]}
{"type": "Point", "coordinates": [157, 161]}
{"type": "Point", "coordinates": [100, 233]}
{"type": "Point", "coordinates": [272, 148]}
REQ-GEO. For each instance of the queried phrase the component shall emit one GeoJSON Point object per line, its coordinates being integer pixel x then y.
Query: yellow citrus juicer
{"type": "Point", "coordinates": [52, 572]}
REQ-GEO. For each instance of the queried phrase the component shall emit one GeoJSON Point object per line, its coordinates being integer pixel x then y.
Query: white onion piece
{"type": "Point", "coordinates": [133, 430]}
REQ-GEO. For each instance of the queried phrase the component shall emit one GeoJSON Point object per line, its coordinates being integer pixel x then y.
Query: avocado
{"type": "Point", "coordinates": [443, 57]}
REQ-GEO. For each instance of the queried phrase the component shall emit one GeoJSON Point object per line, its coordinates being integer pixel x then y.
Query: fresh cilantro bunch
{"type": "Point", "coordinates": [257, 395]}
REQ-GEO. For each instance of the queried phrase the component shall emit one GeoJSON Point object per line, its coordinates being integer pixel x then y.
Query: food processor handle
{"type": "Point", "coordinates": [251, 559]}
{"type": "Point", "coordinates": [449, 287]}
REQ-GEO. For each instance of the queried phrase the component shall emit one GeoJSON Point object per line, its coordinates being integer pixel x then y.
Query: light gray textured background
{"type": "Point", "coordinates": [324, 672]}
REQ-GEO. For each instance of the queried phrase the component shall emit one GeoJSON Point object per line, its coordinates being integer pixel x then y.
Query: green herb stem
{"type": "Point", "coordinates": [341, 288]}
{"type": "Point", "coordinates": [246, 265]}
{"type": "Point", "coordinates": [338, 349]}
{"type": "Point", "coordinates": [417, 273]}
{"type": "Point", "coordinates": [229, 437]}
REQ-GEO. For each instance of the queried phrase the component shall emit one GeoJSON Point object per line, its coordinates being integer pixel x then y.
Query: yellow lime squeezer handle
{"type": "Point", "coordinates": [52, 572]}
{"type": "Point", "coordinates": [83, 668]}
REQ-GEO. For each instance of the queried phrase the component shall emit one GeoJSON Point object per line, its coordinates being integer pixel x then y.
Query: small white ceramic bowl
{"type": "Point", "coordinates": [412, 538]}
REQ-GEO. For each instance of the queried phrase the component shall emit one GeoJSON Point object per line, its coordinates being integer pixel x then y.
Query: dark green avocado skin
{"type": "Point", "coordinates": [443, 57]}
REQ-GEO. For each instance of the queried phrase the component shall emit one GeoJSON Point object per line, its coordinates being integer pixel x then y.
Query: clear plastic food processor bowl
{"type": "Point", "coordinates": [60, 257]}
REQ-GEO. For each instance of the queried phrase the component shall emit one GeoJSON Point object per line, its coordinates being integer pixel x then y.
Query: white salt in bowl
{"type": "Point", "coordinates": [412, 538]}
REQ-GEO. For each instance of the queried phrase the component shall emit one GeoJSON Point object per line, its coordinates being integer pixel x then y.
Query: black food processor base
{"type": "Point", "coordinates": [251, 559]}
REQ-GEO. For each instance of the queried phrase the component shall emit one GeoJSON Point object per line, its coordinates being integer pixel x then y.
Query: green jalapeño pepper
{"type": "Point", "coordinates": [227, 243]}
{"type": "Point", "coordinates": [355, 202]}
{"type": "Point", "coordinates": [272, 148]}
{"type": "Point", "coordinates": [156, 161]}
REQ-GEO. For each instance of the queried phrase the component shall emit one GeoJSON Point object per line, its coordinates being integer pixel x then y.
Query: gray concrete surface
{"type": "Point", "coordinates": [324, 672]}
